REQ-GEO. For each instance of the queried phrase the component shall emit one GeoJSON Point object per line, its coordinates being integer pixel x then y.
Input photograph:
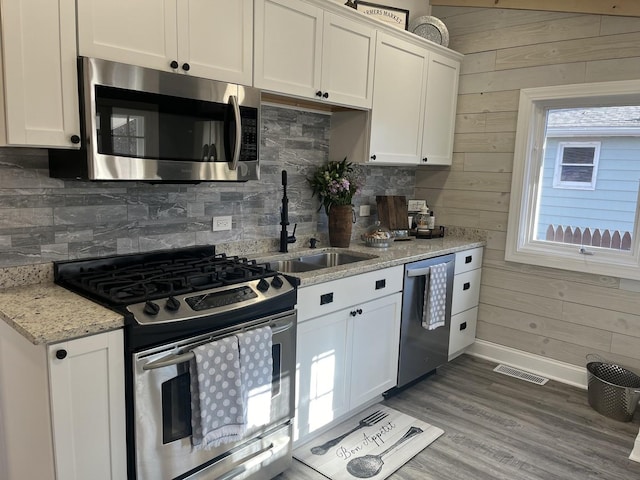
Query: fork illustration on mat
{"type": "Point", "coordinates": [367, 421]}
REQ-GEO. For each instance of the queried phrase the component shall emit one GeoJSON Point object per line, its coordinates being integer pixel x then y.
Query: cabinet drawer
{"type": "Point", "coordinates": [337, 294]}
{"type": "Point", "coordinates": [466, 291]}
{"type": "Point", "coordinates": [468, 260]}
{"type": "Point", "coordinates": [463, 331]}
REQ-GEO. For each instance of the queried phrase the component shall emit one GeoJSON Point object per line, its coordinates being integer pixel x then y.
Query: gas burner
{"type": "Point", "coordinates": [157, 286]}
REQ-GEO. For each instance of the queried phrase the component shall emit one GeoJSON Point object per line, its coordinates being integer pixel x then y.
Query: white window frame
{"type": "Point", "coordinates": [521, 245]}
{"type": "Point", "coordinates": [557, 174]}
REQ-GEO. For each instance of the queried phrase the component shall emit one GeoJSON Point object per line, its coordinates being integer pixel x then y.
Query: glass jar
{"type": "Point", "coordinates": [377, 236]}
{"type": "Point", "coordinates": [422, 218]}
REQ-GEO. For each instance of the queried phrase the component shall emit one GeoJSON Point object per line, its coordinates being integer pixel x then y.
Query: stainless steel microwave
{"type": "Point", "coordinates": [147, 125]}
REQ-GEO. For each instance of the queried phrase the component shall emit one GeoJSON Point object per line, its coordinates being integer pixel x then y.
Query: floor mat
{"type": "Point", "coordinates": [372, 444]}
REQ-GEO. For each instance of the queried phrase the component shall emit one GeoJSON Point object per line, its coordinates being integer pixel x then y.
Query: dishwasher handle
{"type": "Point", "coordinates": [421, 272]}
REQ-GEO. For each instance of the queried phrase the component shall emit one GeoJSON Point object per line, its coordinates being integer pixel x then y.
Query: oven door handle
{"type": "Point", "coordinates": [176, 358]}
{"type": "Point", "coordinates": [169, 360]}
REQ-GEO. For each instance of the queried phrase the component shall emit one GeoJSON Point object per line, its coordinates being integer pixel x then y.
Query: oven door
{"type": "Point", "coordinates": [162, 410]}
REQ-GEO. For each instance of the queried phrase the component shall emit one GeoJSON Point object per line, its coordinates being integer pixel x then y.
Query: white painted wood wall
{"type": "Point", "coordinates": [553, 313]}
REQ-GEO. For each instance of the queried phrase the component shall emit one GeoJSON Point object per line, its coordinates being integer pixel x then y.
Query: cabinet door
{"type": "Point", "coordinates": [440, 110]}
{"type": "Point", "coordinates": [87, 407]}
{"type": "Point", "coordinates": [398, 98]}
{"type": "Point", "coordinates": [321, 381]}
{"type": "Point", "coordinates": [215, 37]}
{"type": "Point", "coordinates": [288, 47]}
{"type": "Point", "coordinates": [375, 337]}
{"type": "Point", "coordinates": [348, 50]}
{"type": "Point", "coordinates": [40, 86]}
{"type": "Point", "coordinates": [140, 32]}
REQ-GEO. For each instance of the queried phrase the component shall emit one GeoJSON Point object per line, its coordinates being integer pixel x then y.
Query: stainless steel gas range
{"type": "Point", "coordinates": [174, 302]}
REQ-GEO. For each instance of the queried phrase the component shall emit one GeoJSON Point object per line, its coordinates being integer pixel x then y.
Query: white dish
{"type": "Point", "coordinates": [430, 28]}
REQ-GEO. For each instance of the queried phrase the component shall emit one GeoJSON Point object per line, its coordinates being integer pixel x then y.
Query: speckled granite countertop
{"type": "Point", "coordinates": [46, 313]}
{"type": "Point", "coordinates": [399, 253]}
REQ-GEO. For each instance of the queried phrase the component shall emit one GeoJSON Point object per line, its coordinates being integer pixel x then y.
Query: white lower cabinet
{"type": "Point", "coordinates": [88, 408]}
{"type": "Point", "coordinates": [466, 295]}
{"type": "Point", "coordinates": [66, 413]}
{"type": "Point", "coordinates": [348, 356]}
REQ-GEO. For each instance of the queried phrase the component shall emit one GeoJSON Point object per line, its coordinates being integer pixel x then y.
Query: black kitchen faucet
{"type": "Point", "coordinates": [285, 238]}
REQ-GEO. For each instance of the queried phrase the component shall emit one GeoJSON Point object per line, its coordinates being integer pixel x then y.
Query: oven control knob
{"type": "Point", "coordinates": [151, 308]}
{"type": "Point", "coordinates": [263, 285]}
{"type": "Point", "coordinates": [172, 304]}
{"type": "Point", "coordinates": [276, 282]}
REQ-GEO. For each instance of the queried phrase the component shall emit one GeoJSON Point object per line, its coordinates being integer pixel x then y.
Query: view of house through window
{"type": "Point", "coordinates": [589, 178]}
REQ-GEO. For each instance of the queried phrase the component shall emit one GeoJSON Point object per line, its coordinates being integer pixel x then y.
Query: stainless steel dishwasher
{"type": "Point", "coordinates": [422, 350]}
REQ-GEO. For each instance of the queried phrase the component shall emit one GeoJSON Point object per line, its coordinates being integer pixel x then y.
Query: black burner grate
{"type": "Point", "coordinates": [157, 276]}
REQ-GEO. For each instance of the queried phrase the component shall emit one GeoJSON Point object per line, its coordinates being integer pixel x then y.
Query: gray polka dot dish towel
{"type": "Point", "coordinates": [435, 297]}
{"type": "Point", "coordinates": [227, 376]}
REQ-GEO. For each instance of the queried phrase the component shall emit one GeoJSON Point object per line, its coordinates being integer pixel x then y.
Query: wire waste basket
{"type": "Point", "coordinates": [613, 391]}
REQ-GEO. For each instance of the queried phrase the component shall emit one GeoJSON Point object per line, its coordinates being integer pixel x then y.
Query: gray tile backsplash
{"type": "Point", "coordinates": [44, 219]}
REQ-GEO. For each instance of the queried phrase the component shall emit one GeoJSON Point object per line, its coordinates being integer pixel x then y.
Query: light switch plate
{"type": "Point", "coordinates": [415, 205]}
{"type": "Point", "coordinates": [365, 210]}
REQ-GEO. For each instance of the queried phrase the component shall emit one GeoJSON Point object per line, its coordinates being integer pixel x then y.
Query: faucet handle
{"type": "Point", "coordinates": [312, 242]}
{"type": "Point", "coordinates": [292, 238]}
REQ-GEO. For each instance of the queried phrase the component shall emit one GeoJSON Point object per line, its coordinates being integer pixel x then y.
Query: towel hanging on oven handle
{"type": "Point", "coordinates": [176, 358]}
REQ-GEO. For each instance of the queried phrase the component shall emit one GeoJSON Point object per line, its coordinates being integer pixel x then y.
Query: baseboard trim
{"type": "Point", "coordinates": [547, 367]}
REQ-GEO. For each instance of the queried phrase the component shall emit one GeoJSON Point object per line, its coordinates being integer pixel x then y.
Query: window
{"type": "Point", "coordinates": [576, 177]}
{"type": "Point", "coordinates": [576, 165]}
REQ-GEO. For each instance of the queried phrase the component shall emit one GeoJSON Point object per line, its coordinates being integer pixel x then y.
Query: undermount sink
{"type": "Point", "coordinates": [293, 266]}
{"type": "Point", "coordinates": [316, 261]}
{"type": "Point", "coordinates": [334, 259]}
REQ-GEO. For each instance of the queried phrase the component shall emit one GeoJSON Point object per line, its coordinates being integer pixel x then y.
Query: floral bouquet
{"type": "Point", "coordinates": [335, 184]}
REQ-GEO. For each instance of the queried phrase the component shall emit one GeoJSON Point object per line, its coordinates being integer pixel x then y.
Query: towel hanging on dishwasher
{"type": "Point", "coordinates": [434, 304]}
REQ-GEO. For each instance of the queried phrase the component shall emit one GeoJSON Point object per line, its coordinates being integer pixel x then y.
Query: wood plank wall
{"type": "Point", "coordinates": [554, 313]}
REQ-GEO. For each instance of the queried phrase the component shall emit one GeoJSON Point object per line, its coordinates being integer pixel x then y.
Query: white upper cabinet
{"type": "Point", "coordinates": [39, 75]}
{"type": "Point", "coordinates": [440, 110]}
{"type": "Point", "coordinates": [397, 114]}
{"type": "Point", "coordinates": [415, 92]}
{"type": "Point", "coordinates": [304, 51]}
{"type": "Point", "coordinates": [204, 38]}
{"type": "Point", "coordinates": [348, 53]}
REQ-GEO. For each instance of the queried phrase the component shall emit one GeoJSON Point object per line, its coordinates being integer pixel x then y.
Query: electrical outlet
{"type": "Point", "coordinates": [415, 205]}
{"type": "Point", "coordinates": [222, 223]}
{"type": "Point", "coordinates": [365, 210]}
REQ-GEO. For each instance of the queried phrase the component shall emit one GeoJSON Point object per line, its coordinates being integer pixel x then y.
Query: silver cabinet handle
{"type": "Point", "coordinates": [233, 100]}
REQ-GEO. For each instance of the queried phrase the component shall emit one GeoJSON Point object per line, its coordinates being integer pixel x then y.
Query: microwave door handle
{"type": "Point", "coordinates": [233, 100]}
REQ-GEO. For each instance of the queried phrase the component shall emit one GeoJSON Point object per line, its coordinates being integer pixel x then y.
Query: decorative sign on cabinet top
{"type": "Point", "coordinates": [393, 16]}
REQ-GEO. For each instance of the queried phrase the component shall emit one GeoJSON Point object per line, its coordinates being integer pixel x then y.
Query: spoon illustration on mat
{"type": "Point", "coordinates": [367, 421]}
{"type": "Point", "coordinates": [368, 466]}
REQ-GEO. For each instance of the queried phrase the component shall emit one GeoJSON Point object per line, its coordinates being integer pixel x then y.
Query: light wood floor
{"type": "Point", "coordinates": [498, 427]}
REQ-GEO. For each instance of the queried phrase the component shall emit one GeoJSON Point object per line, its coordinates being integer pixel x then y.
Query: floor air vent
{"type": "Point", "coordinates": [521, 374]}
